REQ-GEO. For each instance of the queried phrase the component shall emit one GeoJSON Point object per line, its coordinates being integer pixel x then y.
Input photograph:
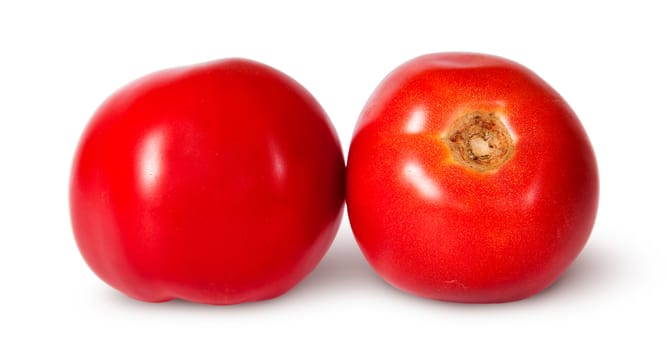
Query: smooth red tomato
{"type": "Point", "coordinates": [470, 179]}
{"type": "Point", "coordinates": [218, 183]}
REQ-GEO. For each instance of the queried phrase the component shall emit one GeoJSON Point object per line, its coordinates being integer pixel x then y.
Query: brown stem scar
{"type": "Point", "coordinates": [480, 141]}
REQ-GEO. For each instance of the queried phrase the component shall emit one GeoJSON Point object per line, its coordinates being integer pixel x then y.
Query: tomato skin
{"type": "Point", "coordinates": [433, 227]}
{"type": "Point", "coordinates": [218, 183]}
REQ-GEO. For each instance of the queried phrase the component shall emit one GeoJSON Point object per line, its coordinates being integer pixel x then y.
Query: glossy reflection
{"type": "Point", "coordinates": [150, 161]}
{"type": "Point", "coordinates": [416, 121]}
{"type": "Point", "coordinates": [532, 194]}
{"type": "Point", "coordinates": [278, 163]}
{"type": "Point", "coordinates": [424, 184]}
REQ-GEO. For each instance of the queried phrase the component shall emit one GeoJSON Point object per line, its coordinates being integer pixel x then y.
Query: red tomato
{"type": "Point", "coordinates": [218, 183]}
{"type": "Point", "coordinates": [470, 179]}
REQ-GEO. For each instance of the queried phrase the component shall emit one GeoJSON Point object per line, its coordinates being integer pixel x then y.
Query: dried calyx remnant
{"type": "Point", "coordinates": [479, 140]}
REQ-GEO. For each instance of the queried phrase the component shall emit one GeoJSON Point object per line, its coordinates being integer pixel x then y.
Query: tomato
{"type": "Point", "coordinates": [217, 183]}
{"type": "Point", "coordinates": [470, 179]}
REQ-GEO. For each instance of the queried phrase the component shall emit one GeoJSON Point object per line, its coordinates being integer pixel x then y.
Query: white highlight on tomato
{"type": "Point", "coordinates": [417, 177]}
{"type": "Point", "coordinates": [150, 164]}
{"type": "Point", "coordinates": [416, 122]}
{"type": "Point", "coordinates": [278, 162]}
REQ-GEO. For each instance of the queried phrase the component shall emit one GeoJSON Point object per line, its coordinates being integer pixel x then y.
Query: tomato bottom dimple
{"type": "Point", "coordinates": [479, 140]}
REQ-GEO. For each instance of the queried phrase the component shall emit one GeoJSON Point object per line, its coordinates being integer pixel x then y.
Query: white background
{"type": "Point", "coordinates": [60, 59]}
